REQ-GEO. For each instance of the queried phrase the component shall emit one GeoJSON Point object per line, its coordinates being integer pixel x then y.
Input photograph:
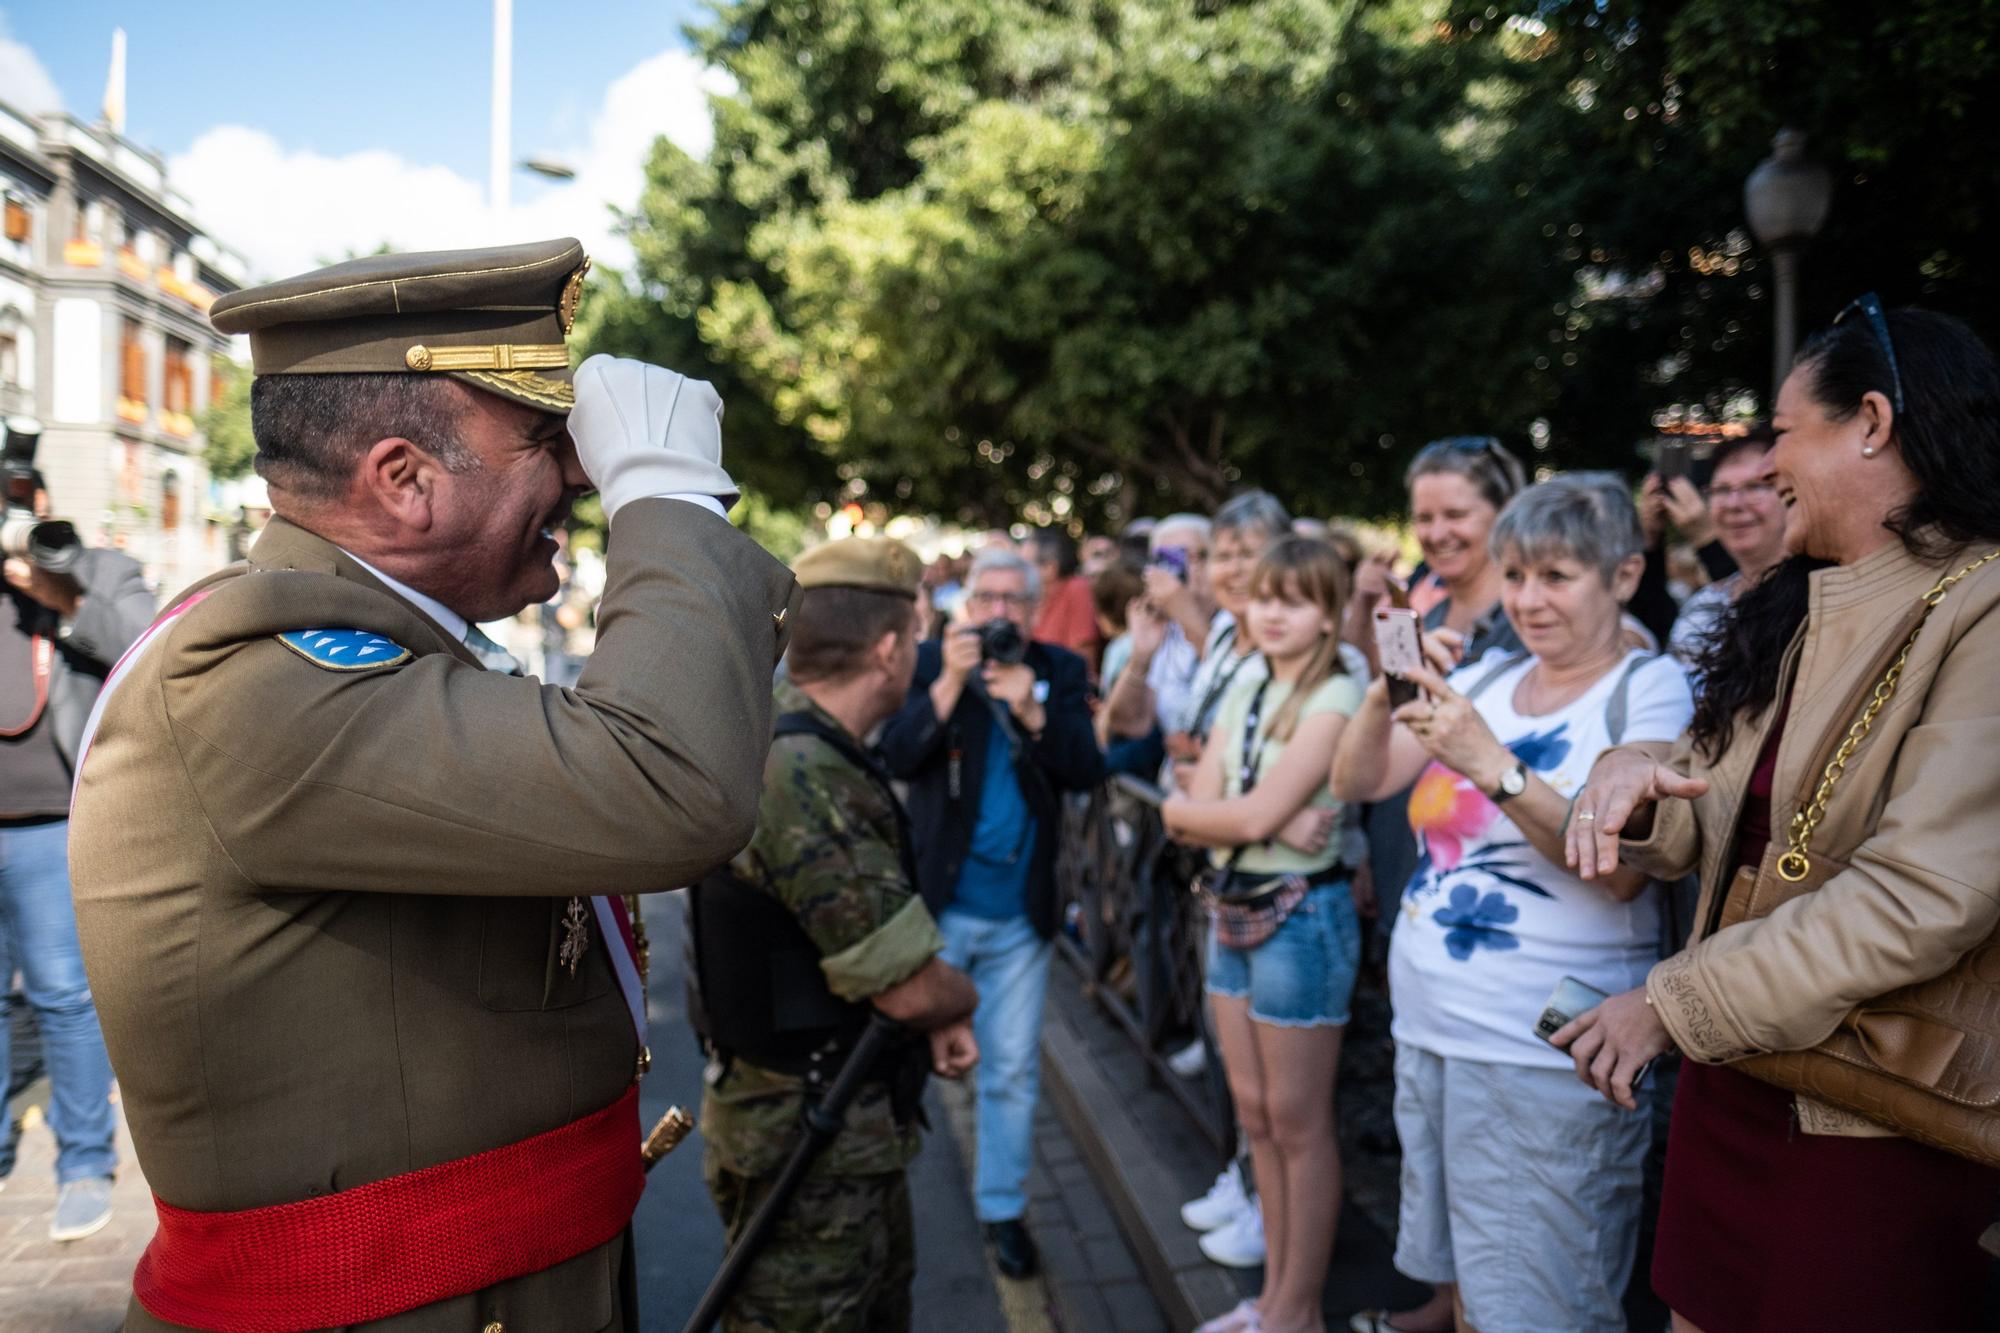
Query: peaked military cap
{"type": "Point", "coordinates": [493, 318]}
{"type": "Point", "coordinates": [877, 564]}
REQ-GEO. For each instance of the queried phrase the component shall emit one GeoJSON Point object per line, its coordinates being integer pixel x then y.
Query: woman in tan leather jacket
{"type": "Point", "coordinates": [1783, 1211]}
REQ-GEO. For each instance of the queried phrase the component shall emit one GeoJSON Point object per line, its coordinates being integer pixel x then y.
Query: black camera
{"type": "Point", "coordinates": [51, 543]}
{"type": "Point", "coordinates": [1002, 641]}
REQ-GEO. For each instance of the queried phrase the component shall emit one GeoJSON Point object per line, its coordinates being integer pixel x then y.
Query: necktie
{"type": "Point", "coordinates": [490, 654]}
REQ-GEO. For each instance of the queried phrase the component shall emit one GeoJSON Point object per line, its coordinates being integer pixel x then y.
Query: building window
{"type": "Point", "coordinates": [10, 358]}
{"type": "Point", "coordinates": [170, 501]}
{"type": "Point", "coordinates": [18, 226]}
{"type": "Point", "coordinates": [133, 400]}
{"type": "Point", "coordinates": [179, 380]}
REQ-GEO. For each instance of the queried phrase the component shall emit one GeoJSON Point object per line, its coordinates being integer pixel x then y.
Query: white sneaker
{"type": "Point", "coordinates": [1219, 1207]}
{"type": "Point", "coordinates": [1189, 1061]}
{"type": "Point", "coordinates": [1241, 1243]}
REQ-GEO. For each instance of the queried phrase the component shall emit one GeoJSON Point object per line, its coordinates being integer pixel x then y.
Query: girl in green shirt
{"type": "Point", "coordinates": [1259, 800]}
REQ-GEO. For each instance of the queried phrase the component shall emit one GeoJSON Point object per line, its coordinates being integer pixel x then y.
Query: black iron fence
{"type": "Point", "coordinates": [1135, 934]}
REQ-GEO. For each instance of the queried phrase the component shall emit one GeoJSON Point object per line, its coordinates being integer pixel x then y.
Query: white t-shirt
{"type": "Point", "coordinates": [1489, 925]}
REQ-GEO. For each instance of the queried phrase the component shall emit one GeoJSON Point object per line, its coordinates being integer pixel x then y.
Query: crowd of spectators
{"type": "Point", "coordinates": [1426, 824]}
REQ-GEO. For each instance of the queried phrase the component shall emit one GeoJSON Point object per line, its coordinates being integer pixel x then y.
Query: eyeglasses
{"type": "Point", "coordinates": [1019, 599]}
{"type": "Point", "coordinates": [1749, 490]}
{"type": "Point", "coordinates": [1870, 307]}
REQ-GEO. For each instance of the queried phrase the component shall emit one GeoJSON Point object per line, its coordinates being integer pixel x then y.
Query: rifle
{"type": "Point", "coordinates": [823, 1121]}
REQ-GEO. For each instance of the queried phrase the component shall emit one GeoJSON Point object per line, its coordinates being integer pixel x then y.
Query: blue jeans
{"type": "Point", "coordinates": [38, 923]}
{"type": "Point", "coordinates": [1009, 966]}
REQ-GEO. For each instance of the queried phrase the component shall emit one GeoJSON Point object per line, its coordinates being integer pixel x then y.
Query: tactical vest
{"type": "Point", "coordinates": [755, 988]}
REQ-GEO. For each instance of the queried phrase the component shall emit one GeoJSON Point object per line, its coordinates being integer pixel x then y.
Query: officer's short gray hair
{"type": "Point", "coordinates": [1253, 511]}
{"type": "Point", "coordinates": [1173, 523]}
{"type": "Point", "coordinates": [997, 558]}
{"type": "Point", "coordinates": [1587, 517]}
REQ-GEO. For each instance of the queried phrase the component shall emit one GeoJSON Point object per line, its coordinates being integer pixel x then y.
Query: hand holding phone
{"type": "Point", "coordinates": [1672, 458]}
{"type": "Point", "coordinates": [1570, 999]}
{"type": "Point", "coordinates": [1399, 649]}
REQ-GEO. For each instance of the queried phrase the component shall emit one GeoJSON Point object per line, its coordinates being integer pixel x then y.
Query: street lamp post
{"type": "Point", "coordinates": [1786, 201]}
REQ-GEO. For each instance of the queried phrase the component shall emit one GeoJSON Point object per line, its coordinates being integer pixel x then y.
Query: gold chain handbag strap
{"type": "Point", "coordinates": [1796, 863]}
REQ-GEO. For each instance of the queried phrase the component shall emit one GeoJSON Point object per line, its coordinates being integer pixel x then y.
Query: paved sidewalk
{"type": "Point", "coordinates": [81, 1286]}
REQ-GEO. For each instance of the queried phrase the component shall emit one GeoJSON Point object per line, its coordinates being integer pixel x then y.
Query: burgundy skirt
{"type": "Point", "coordinates": [1765, 1227]}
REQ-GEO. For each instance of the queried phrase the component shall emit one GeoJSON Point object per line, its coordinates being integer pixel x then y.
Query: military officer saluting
{"type": "Point", "coordinates": [341, 888]}
{"type": "Point", "coordinates": [816, 926]}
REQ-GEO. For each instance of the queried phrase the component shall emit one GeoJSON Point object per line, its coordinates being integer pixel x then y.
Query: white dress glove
{"type": "Point", "coordinates": [644, 430]}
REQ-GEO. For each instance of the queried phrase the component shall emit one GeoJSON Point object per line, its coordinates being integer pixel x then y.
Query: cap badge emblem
{"type": "Point", "coordinates": [572, 296]}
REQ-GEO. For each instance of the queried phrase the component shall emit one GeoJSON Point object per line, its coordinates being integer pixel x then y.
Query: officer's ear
{"type": "Point", "coordinates": [401, 478]}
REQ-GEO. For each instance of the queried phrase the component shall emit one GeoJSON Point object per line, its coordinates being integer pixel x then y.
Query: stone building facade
{"type": "Point", "coordinates": [105, 285]}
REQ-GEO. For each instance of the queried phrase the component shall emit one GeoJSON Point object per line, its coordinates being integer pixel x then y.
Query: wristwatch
{"type": "Point", "coordinates": [1512, 783]}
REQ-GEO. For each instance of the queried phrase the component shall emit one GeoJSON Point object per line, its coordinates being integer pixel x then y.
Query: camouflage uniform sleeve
{"type": "Point", "coordinates": [826, 843]}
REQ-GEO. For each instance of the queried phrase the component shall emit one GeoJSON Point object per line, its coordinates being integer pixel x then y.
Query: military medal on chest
{"type": "Point", "coordinates": [576, 935]}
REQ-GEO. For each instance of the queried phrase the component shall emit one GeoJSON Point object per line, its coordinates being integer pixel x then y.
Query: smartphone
{"type": "Point", "coordinates": [1671, 459]}
{"type": "Point", "coordinates": [1570, 998]}
{"type": "Point", "coordinates": [1174, 558]}
{"type": "Point", "coordinates": [1399, 648]}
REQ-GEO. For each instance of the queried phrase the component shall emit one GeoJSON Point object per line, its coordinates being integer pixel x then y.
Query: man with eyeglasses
{"type": "Point", "coordinates": [995, 729]}
{"type": "Point", "coordinates": [1741, 514]}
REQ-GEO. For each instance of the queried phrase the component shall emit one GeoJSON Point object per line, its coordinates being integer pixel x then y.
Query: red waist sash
{"type": "Point", "coordinates": [396, 1244]}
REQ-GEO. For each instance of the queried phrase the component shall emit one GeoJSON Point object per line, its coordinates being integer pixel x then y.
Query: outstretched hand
{"type": "Point", "coordinates": [1618, 795]}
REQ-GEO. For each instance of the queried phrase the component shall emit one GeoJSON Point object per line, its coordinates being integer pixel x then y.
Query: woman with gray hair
{"type": "Point", "coordinates": [1520, 1187]}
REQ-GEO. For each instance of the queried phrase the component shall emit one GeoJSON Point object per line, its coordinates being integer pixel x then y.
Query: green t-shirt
{"type": "Point", "coordinates": [1336, 694]}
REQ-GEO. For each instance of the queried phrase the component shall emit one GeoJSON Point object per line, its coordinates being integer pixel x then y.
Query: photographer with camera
{"type": "Point", "coordinates": [994, 730]}
{"type": "Point", "coordinates": [68, 614]}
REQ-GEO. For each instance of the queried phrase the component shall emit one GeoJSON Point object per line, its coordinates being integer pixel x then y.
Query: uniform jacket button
{"type": "Point", "coordinates": [495, 1327]}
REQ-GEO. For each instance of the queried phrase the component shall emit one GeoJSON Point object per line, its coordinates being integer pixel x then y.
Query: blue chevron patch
{"type": "Point", "coordinates": [345, 649]}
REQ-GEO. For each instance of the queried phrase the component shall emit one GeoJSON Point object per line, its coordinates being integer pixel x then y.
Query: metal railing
{"type": "Point", "coordinates": [1134, 933]}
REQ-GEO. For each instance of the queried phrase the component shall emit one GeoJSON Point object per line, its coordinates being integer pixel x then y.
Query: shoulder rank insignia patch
{"type": "Point", "coordinates": [345, 649]}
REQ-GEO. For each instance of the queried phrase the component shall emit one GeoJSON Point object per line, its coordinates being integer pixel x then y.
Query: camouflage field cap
{"type": "Point", "coordinates": [877, 564]}
{"type": "Point", "coordinates": [494, 318]}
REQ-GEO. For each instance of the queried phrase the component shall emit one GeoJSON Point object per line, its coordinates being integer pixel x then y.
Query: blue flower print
{"type": "Point", "coordinates": [1473, 922]}
{"type": "Point", "coordinates": [1542, 750]}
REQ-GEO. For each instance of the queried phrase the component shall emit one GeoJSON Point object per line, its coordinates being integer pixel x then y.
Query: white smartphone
{"type": "Point", "coordinates": [1399, 648]}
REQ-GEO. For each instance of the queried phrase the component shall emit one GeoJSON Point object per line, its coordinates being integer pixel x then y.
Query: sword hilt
{"type": "Point", "coordinates": [674, 1126]}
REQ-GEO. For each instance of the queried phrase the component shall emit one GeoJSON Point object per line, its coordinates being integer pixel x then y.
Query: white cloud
{"type": "Point", "coordinates": [289, 210]}
{"type": "Point", "coordinates": [24, 84]}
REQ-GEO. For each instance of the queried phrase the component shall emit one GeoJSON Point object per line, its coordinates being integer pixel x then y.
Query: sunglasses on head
{"type": "Point", "coordinates": [1869, 306]}
{"type": "Point", "coordinates": [1465, 444]}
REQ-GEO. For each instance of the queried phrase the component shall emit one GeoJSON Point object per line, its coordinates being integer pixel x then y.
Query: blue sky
{"type": "Point", "coordinates": [412, 77]}
{"type": "Point", "coordinates": [370, 118]}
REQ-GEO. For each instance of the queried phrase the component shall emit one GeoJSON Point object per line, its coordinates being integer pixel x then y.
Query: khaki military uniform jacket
{"type": "Point", "coordinates": [321, 910]}
{"type": "Point", "coordinates": [1914, 818]}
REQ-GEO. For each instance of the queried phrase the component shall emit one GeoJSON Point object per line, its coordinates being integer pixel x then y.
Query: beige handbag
{"type": "Point", "coordinates": [1924, 1060]}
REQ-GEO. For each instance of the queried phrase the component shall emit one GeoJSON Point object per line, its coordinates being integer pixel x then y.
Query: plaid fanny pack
{"type": "Point", "coordinates": [1244, 914]}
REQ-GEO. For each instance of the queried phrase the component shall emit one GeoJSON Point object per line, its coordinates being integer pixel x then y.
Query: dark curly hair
{"type": "Point", "coordinates": [1948, 434]}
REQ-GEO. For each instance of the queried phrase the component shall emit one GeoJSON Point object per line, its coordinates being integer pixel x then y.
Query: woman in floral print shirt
{"type": "Point", "coordinates": [1522, 1193]}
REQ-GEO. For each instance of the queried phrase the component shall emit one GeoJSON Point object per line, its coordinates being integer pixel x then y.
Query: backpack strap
{"type": "Point", "coordinates": [1615, 710]}
{"type": "Point", "coordinates": [1499, 669]}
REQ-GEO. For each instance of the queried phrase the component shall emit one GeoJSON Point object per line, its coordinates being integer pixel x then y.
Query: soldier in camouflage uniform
{"type": "Point", "coordinates": [829, 849]}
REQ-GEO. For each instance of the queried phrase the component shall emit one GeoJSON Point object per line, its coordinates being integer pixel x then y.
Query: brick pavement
{"type": "Point", "coordinates": [81, 1286]}
{"type": "Point", "coordinates": [1090, 1281]}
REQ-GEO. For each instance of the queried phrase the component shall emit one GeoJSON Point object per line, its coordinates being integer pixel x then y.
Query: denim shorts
{"type": "Point", "coordinates": [1303, 976]}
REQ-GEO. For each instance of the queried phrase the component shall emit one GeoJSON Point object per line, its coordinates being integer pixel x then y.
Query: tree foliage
{"type": "Point", "coordinates": [1081, 259]}
{"type": "Point", "coordinates": [225, 422]}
